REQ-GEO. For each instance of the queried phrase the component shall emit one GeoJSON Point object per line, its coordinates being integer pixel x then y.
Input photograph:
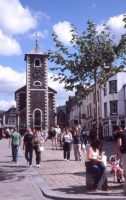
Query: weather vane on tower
{"type": "Point", "coordinates": [36, 50]}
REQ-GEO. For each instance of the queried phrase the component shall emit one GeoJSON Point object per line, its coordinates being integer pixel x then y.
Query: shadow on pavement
{"type": "Point", "coordinates": [55, 160]}
{"type": "Point", "coordinates": [72, 190]}
{"type": "Point", "coordinates": [81, 190]}
{"type": "Point", "coordinates": [10, 173]}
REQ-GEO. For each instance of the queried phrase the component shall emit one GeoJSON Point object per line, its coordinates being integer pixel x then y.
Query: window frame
{"type": "Point", "coordinates": [35, 60]}
{"type": "Point", "coordinates": [35, 82]}
{"type": "Point", "coordinates": [112, 86]}
{"type": "Point", "coordinates": [105, 109]}
{"type": "Point", "coordinates": [114, 108]}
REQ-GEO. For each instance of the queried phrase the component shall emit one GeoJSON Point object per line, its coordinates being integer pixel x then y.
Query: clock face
{"type": "Point", "coordinates": [36, 74]}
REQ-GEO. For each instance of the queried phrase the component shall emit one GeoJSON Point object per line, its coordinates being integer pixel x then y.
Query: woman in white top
{"type": "Point", "coordinates": [93, 163]}
{"type": "Point", "coordinates": [67, 139]}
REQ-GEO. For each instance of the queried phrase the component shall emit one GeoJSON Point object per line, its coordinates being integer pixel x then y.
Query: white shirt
{"type": "Point", "coordinates": [67, 138]}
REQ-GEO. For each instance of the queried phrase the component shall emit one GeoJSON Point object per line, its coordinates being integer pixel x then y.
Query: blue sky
{"type": "Point", "coordinates": [21, 19]}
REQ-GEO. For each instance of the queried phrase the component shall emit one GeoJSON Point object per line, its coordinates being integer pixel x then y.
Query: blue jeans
{"type": "Point", "coordinates": [97, 170]}
{"type": "Point", "coordinates": [15, 149]}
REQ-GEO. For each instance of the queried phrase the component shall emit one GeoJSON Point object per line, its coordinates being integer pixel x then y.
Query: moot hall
{"type": "Point", "coordinates": [35, 102]}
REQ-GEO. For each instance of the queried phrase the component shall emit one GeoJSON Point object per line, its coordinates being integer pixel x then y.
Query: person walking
{"type": "Point", "coordinates": [121, 145]}
{"type": "Point", "coordinates": [45, 134]}
{"type": "Point", "coordinates": [67, 140]}
{"type": "Point", "coordinates": [27, 145]}
{"type": "Point", "coordinates": [54, 138]}
{"type": "Point", "coordinates": [15, 142]}
{"type": "Point", "coordinates": [37, 141]}
{"type": "Point", "coordinates": [58, 134]}
{"type": "Point", "coordinates": [77, 143]}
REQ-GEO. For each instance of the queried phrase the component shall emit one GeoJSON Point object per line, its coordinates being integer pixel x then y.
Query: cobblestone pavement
{"type": "Point", "coordinates": [56, 178]}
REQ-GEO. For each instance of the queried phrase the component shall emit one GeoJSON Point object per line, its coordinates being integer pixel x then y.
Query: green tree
{"type": "Point", "coordinates": [89, 61]}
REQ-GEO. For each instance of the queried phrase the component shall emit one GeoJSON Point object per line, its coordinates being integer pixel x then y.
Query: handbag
{"type": "Point", "coordinates": [83, 147]}
{"type": "Point", "coordinates": [41, 148]}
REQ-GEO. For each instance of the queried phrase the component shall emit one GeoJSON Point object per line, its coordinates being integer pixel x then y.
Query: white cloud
{"type": "Point", "coordinates": [8, 46]}
{"type": "Point", "coordinates": [10, 81]}
{"type": "Point", "coordinates": [14, 18]}
{"type": "Point", "coordinates": [116, 24]}
{"type": "Point", "coordinates": [62, 30]}
{"type": "Point", "coordinates": [62, 94]}
{"type": "Point", "coordinates": [5, 105]}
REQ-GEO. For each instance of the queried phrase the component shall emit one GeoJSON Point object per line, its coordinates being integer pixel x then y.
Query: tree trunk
{"type": "Point", "coordinates": [96, 107]}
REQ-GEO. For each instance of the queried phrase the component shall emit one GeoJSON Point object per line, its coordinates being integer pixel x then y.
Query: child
{"type": "Point", "coordinates": [103, 157]}
{"type": "Point", "coordinates": [116, 168]}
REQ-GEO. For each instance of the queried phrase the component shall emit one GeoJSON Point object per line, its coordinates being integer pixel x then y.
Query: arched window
{"type": "Point", "coordinates": [37, 118]}
{"type": "Point", "coordinates": [37, 62]}
{"type": "Point", "coordinates": [37, 83]}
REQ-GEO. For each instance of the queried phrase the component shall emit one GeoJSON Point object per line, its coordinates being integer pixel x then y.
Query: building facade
{"type": "Point", "coordinates": [113, 104]}
{"type": "Point", "coordinates": [111, 107]}
{"type": "Point", "coordinates": [9, 118]}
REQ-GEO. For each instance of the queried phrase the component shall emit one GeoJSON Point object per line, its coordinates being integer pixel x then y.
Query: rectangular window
{"type": "Point", "coordinates": [98, 96]}
{"type": "Point", "coordinates": [113, 107]}
{"type": "Point", "coordinates": [105, 109]}
{"type": "Point", "coordinates": [112, 86]}
{"type": "Point", "coordinates": [105, 89]}
{"type": "Point", "coordinates": [88, 111]}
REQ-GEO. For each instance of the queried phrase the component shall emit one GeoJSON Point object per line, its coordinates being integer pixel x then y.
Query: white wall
{"type": "Point", "coordinates": [121, 80]}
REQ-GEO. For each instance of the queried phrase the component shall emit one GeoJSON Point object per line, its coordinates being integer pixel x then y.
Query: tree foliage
{"type": "Point", "coordinates": [89, 60]}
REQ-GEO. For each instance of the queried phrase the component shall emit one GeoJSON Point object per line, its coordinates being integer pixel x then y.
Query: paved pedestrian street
{"type": "Point", "coordinates": [55, 179]}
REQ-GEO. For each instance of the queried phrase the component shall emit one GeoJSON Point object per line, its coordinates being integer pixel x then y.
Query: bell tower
{"type": "Point", "coordinates": [36, 88]}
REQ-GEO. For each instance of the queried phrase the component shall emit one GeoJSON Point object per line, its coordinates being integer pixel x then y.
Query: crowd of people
{"type": "Point", "coordinates": [81, 142]}
{"type": "Point", "coordinates": [32, 141]}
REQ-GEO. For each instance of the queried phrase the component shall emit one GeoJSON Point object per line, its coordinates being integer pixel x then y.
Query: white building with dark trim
{"type": "Point", "coordinates": [113, 101]}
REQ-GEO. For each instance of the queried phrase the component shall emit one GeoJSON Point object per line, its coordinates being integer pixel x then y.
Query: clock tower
{"type": "Point", "coordinates": [36, 89]}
